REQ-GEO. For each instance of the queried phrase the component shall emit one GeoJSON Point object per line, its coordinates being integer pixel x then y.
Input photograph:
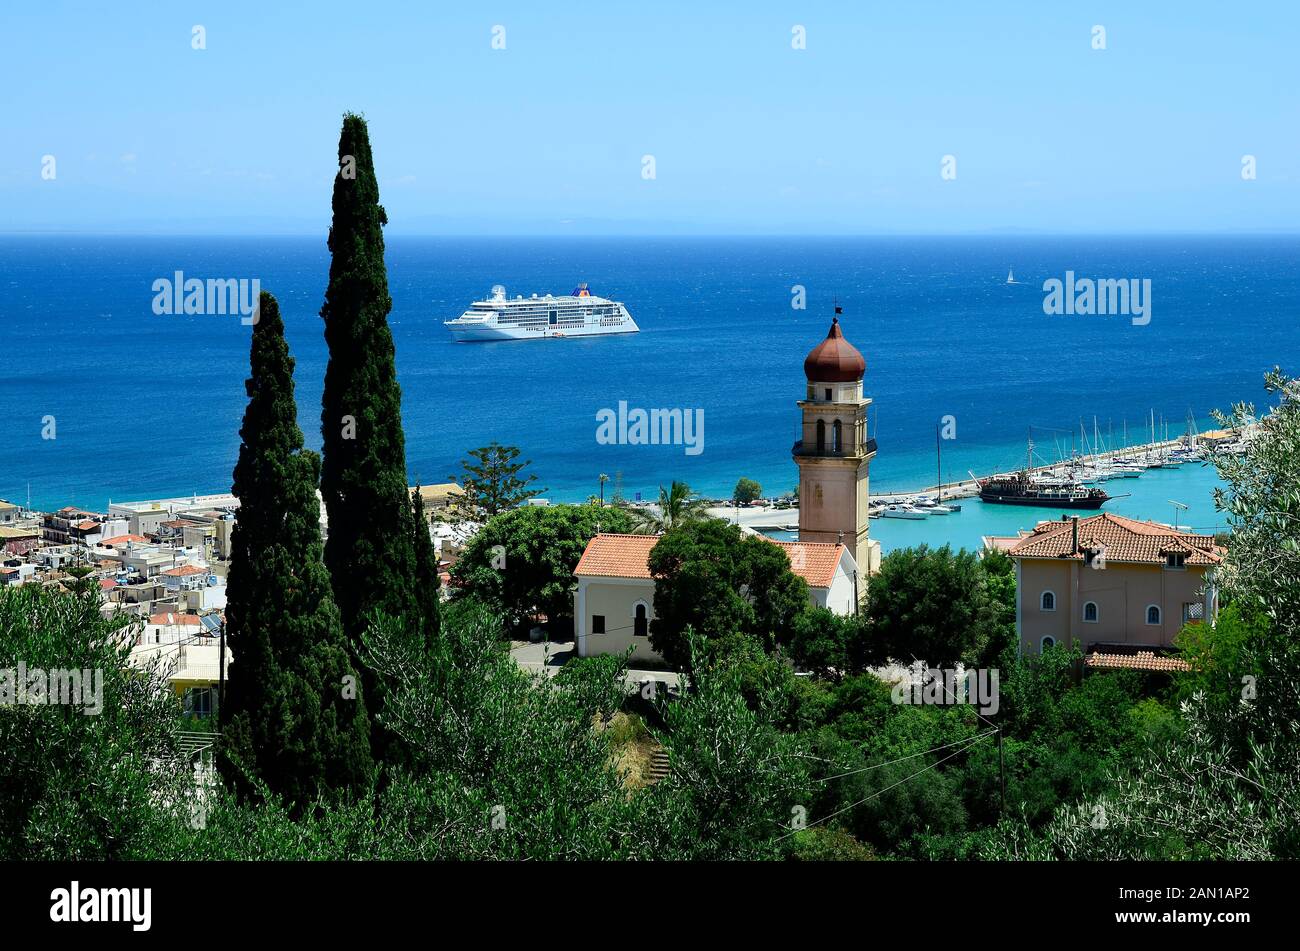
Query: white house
{"type": "Point", "coordinates": [614, 603]}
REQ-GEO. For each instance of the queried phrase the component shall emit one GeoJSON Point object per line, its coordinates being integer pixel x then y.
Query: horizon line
{"type": "Point", "coordinates": [1006, 233]}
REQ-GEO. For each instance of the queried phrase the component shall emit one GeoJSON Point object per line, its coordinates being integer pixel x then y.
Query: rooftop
{"type": "Point", "coordinates": [610, 555]}
{"type": "Point", "coordinates": [1139, 660]}
{"type": "Point", "coordinates": [123, 540]}
{"type": "Point", "coordinates": [1123, 539]}
{"type": "Point", "coordinates": [184, 571]}
{"type": "Point", "coordinates": [181, 620]}
{"type": "Point", "coordinates": [834, 360]}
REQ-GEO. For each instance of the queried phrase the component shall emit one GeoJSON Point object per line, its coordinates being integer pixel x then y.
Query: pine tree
{"type": "Point", "coordinates": [370, 549]}
{"type": "Point", "coordinates": [294, 716]}
{"type": "Point", "coordinates": [493, 482]}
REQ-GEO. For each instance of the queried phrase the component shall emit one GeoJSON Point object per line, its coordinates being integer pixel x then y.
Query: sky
{"type": "Point", "coordinates": [748, 134]}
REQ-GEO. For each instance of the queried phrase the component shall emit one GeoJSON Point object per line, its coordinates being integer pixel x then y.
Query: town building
{"type": "Point", "coordinates": [614, 602]}
{"type": "Point", "coordinates": [835, 450]}
{"type": "Point", "coordinates": [1118, 588]}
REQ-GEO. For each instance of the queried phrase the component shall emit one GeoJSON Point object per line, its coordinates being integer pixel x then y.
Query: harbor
{"type": "Point", "coordinates": [1178, 492]}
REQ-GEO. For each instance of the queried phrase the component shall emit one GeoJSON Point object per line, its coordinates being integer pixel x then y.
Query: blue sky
{"type": "Point", "coordinates": [748, 134]}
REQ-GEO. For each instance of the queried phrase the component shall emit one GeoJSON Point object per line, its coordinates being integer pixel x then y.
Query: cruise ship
{"type": "Point", "coordinates": [533, 318]}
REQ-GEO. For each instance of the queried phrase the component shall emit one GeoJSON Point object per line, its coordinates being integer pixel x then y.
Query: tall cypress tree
{"type": "Point", "coordinates": [294, 715]}
{"type": "Point", "coordinates": [427, 582]}
{"type": "Point", "coordinates": [370, 548]}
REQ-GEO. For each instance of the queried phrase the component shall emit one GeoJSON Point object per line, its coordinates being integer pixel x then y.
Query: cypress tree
{"type": "Point", "coordinates": [294, 715]}
{"type": "Point", "coordinates": [370, 548]}
{"type": "Point", "coordinates": [427, 582]}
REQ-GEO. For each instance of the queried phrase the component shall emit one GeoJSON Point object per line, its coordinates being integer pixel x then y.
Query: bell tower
{"type": "Point", "coordinates": [835, 452]}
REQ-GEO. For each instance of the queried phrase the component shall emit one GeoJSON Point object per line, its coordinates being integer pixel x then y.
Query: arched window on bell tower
{"type": "Point", "coordinates": [821, 435]}
{"type": "Point", "coordinates": [837, 442]}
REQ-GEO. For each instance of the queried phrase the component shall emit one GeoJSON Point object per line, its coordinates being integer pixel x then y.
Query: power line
{"type": "Point", "coordinates": [904, 759]}
{"type": "Point", "coordinates": [881, 792]}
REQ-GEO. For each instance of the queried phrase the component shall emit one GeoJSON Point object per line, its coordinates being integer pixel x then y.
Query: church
{"type": "Point", "coordinates": [614, 601]}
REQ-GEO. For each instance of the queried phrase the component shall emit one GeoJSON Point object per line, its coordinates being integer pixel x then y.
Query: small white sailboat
{"type": "Point", "coordinates": [1011, 276]}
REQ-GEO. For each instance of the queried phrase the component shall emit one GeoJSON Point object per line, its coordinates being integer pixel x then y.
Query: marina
{"type": "Point", "coordinates": [1179, 493]}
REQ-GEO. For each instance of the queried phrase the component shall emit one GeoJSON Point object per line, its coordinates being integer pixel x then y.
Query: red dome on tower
{"type": "Point", "coordinates": [834, 360]}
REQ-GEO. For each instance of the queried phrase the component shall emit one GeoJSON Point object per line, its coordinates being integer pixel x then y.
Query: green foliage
{"type": "Point", "coordinates": [747, 490]}
{"type": "Point", "coordinates": [1226, 785]}
{"type": "Point", "coordinates": [1221, 654]}
{"type": "Point", "coordinates": [426, 580]}
{"type": "Point", "coordinates": [1262, 502]}
{"type": "Point", "coordinates": [938, 606]}
{"type": "Point", "coordinates": [288, 724]}
{"type": "Point", "coordinates": [734, 779]}
{"type": "Point", "coordinates": [712, 578]}
{"type": "Point", "coordinates": [493, 483]}
{"type": "Point", "coordinates": [370, 550]}
{"type": "Point", "coordinates": [825, 642]}
{"type": "Point", "coordinates": [76, 785]}
{"type": "Point", "coordinates": [674, 509]}
{"type": "Point", "coordinates": [822, 844]}
{"type": "Point", "coordinates": [521, 563]}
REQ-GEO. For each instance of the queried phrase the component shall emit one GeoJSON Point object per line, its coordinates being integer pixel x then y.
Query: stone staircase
{"type": "Point", "coordinates": [658, 765]}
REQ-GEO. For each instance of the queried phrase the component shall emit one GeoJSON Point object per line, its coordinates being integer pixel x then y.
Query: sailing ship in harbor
{"type": "Point", "coordinates": [579, 314]}
{"type": "Point", "coordinates": [1027, 488]}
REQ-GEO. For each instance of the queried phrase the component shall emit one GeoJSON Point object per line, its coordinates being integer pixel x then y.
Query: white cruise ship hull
{"type": "Point", "coordinates": [579, 314]}
{"type": "Point", "coordinates": [471, 332]}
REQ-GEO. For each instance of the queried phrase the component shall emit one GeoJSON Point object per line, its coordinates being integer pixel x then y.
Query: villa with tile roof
{"type": "Point", "coordinates": [1119, 588]}
{"type": "Point", "coordinates": [614, 602]}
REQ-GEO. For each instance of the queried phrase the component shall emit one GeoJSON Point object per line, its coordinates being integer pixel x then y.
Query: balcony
{"type": "Point", "coordinates": [811, 451]}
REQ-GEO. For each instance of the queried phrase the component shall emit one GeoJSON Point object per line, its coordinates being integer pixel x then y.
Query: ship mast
{"type": "Point", "coordinates": [938, 459]}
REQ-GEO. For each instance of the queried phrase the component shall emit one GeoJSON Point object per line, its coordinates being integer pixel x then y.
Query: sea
{"type": "Point", "coordinates": [104, 399]}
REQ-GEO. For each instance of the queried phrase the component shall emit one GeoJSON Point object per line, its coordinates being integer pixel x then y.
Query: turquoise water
{"type": "Point", "coordinates": [1148, 497]}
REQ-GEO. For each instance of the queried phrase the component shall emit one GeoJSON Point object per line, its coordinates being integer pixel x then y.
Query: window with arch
{"type": "Point", "coordinates": [1153, 614]}
{"type": "Point", "coordinates": [1090, 612]}
{"type": "Point", "coordinates": [836, 431]}
{"type": "Point", "coordinates": [1048, 601]}
{"type": "Point", "coordinates": [1046, 642]}
{"type": "Point", "coordinates": [821, 435]}
{"type": "Point", "coordinates": [640, 620]}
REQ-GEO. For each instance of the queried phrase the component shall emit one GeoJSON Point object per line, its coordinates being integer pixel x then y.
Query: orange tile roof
{"type": "Point", "coordinates": [617, 556]}
{"type": "Point", "coordinates": [1142, 660]}
{"type": "Point", "coordinates": [122, 539]}
{"type": "Point", "coordinates": [627, 556]}
{"type": "Point", "coordinates": [814, 562]}
{"type": "Point", "coordinates": [185, 570]}
{"type": "Point", "coordinates": [1124, 540]}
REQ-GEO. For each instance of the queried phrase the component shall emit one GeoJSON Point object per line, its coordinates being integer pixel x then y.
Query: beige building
{"type": "Point", "coordinates": [614, 603]}
{"type": "Point", "coordinates": [835, 450]}
{"type": "Point", "coordinates": [1118, 588]}
{"type": "Point", "coordinates": [439, 499]}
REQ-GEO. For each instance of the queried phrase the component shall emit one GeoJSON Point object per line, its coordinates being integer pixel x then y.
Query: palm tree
{"type": "Point", "coordinates": [675, 507]}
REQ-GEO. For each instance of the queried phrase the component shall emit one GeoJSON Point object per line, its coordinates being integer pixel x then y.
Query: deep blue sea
{"type": "Point", "coordinates": [149, 406]}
